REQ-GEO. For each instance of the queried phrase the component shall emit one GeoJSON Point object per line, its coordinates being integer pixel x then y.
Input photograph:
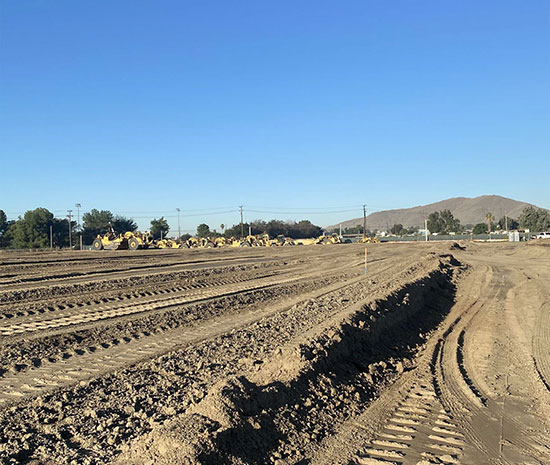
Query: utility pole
{"type": "Point", "coordinates": [179, 231]}
{"type": "Point", "coordinates": [78, 222]}
{"type": "Point", "coordinates": [242, 223]}
{"type": "Point", "coordinates": [70, 216]}
{"type": "Point", "coordinates": [426, 227]}
{"type": "Point", "coordinates": [364, 221]}
{"type": "Point", "coordinates": [51, 237]}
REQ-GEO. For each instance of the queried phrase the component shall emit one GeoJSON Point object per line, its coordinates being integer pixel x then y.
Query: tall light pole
{"type": "Point", "coordinates": [70, 216]}
{"type": "Point", "coordinates": [242, 225]}
{"type": "Point", "coordinates": [77, 205]}
{"type": "Point", "coordinates": [179, 231]}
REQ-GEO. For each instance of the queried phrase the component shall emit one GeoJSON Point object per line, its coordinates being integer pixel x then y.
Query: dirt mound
{"type": "Point", "coordinates": [293, 399]}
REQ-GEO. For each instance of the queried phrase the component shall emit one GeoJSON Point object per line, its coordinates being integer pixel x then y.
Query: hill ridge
{"type": "Point", "coordinates": [469, 210]}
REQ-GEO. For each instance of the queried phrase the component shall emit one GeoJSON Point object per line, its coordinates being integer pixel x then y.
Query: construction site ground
{"type": "Point", "coordinates": [439, 354]}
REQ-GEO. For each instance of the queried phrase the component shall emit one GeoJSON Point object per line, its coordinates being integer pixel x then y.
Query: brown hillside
{"type": "Point", "coordinates": [467, 210]}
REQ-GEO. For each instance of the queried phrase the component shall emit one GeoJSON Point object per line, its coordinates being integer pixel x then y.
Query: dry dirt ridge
{"type": "Point", "coordinates": [439, 355]}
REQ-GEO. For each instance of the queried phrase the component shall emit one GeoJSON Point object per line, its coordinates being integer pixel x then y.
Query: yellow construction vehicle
{"type": "Point", "coordinates": [219, 241]}
{"type": "Point", "coordinates": [110, 241]}
{"type": "Point", "coordinates": [191, 243]}
{"type": "Point", "coordinates": [128, 241]}
{"type": "Point", "coordinates": [369, 240]}
{"type": "Point", "coordinates": [281, 241]}
{"type": "Point", "coordinates": [329, 239]}
{"type": "Point", "coordinates": [168, 244]}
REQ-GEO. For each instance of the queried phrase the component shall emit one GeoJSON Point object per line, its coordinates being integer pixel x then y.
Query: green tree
{"type": "Point", "coordinates": [203, 230]}
{"type": "Point", "coordinates": [489, 218]}
{"type": "Point", "coordinates": [3, 227]}
{"type": "Point", "coordinates": [480, 228]}
{"type": "Point", "coordinates": [33, 230]}
{"type": "Point", "coordinates": [511, 223]}
{"type": "Point", "coordinates": [435, 223]}
{"type": "Point", "coordinates": [235, 230]}
{"type": "Point", "coordinates": [443, 222]}
{"type": "Point", "coordinates": [397, 229]}
{"type": "Point", "coordinates": [60, 232]}
{"type": "Point", "coordinates": [122, 224]}
{"type": "Point", "coordinates": [535, 219]}
{"type": "Point", "coordinates": [159, 228]}
{"type": "Point", "coordinates": [95, 222]}
{"type": "Point", "coordinates": [276, 227]}
{"type": "Point", "coordinates": [303, 229]}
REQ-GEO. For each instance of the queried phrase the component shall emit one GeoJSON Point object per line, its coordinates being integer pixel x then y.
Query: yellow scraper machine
{"type": "Point", "coordinates": [136, 240]}
{"type": "Point", "coordinates": [127, 241]}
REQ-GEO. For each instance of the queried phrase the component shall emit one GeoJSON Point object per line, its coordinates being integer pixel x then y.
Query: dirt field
{"type": "Point", "coordinates": [439, 355]}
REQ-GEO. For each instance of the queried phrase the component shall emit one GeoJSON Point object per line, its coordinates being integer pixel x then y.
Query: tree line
{"type": "Point", "coordinates": [443, 222]}
{"type": "Point", "coordinates": [32, 230]}
{"type": "Point", "coordinates": [37, 227]}
{"type": "Point", "coordinates": [296, 230]}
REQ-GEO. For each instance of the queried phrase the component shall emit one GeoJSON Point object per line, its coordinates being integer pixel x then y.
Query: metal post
{"type": "Point", "coordinates": [242, 224]}
{"type": "Point", "coordinates": [364, 221]}
{"type": "Point", "coordinates": [179, 231]}
{"type": "Point", "coordinates": [70, 216]}
{"type": "Point", "coordinates": [426, 228]}
{"type": "Point", "coordinates": [78, 222]}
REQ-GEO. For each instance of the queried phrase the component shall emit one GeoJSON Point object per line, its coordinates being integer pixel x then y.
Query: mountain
{"type": "Point", "coordinates": [467, 210]}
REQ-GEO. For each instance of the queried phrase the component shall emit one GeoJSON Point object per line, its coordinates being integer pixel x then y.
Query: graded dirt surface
{"type": "Point", "coordinates": [440, 354]}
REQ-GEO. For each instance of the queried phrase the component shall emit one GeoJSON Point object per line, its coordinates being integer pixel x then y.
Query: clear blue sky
{"type": "Point", "coordinates": [141, 107]}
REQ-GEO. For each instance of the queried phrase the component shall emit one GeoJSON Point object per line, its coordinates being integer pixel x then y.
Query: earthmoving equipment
{"type": "Point", "coordinates": [220, 241]}
{"type": "Point", "coordinates": [191, 243]}
{"type": "Point", "coordinates": [110, 241]}
{"type": "Point", "coordinates": [137, 240]}
{"type": "Point", "coordinates": [206, 243]}
{"type": "Point", "coordinates": [369, 240]}
{"type": "Point", "coordinates": [128, 241]}
{"type": "Point", "coordinates": [329, 239]}
{"type": "Point", "coordinates": [168, 244]}
{"type": "Point", "coordinates": [281, 241]}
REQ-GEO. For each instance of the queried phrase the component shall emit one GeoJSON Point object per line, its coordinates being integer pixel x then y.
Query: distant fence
{"type": "Point", "coordinates": [447, 237]}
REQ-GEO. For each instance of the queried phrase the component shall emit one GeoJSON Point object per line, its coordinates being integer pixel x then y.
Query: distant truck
{"type": "Point", "coordinates": [543, 235]}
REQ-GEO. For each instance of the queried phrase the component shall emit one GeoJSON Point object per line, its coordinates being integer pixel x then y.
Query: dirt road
{"type": "Point", "coordinates": [286, 355]}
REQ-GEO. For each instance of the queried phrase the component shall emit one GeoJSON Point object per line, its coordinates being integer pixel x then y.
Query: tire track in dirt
{"type": "Point", "coordinates": [419, 431]}
{"type": "Point", "coordinates": [418, 421]}
{"type": "Point", "coordinates": [142, 297]}
{"type": "Point", "coordinates": [91, 362]}
{"type": "Point", "coordinates": [79, 315]}
{"type": "Point", "coordinates": [541, 337]}
{"type": "Point", "coordinates": [110, 274]}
